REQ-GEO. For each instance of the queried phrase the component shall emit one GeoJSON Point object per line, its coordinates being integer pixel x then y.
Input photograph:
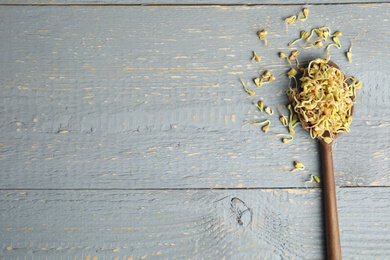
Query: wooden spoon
{"type": "Point", "coordinates": [331, 218]}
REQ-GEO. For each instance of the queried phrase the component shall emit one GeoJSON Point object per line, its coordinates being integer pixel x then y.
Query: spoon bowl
{"type": "Point", "coordinates": [304, 124]}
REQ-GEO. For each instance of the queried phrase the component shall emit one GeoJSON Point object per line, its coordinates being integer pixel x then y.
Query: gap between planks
{"type": "Point", "coordinates": [200, 5]}
{"type": "Point", "coordinates": [173, 189]}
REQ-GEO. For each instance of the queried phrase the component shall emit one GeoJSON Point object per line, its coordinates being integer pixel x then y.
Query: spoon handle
{"type": "Point", "coordinates": [331, 219]}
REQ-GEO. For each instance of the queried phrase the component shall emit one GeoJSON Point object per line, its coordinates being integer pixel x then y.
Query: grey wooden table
{"type": "Point", "coordinates": [121, 132]}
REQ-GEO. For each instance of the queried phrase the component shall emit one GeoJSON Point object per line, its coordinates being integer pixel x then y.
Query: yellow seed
{"type": "Point", "coordinates": [291, 19]}
{"type": "Point", "coordinates": [260, 105]}
{"type": "Point", "coordinates": [250, 92]}
{"type": "Point", "coordinates": [256, 57]}
{"type": "Point", "coordinates": [326, 34]}
{"type": "Point", "coordinates": [257, 82]}
{"type": "Point", "coordinates": [262, 33]}
{"type": "Point", "coordinates": [349, 56]}
{"type": "Point", "coordinates": [336, 40]}
{"type": "Point", "coordinates": [327, 140]}
{"type": "Point", "coordinates": [294, 55]}
{"type": "Point", "coordinates": [299, 165]}
{"type": "Point", "coordinates": [269, 111]}
{"type": "Point", "coordinates": [292, 72]}
{"type": "Point", "coordinates": [319, 44]}
{"type": "Point", "coordinates": [358, 86]}
{"type": "Point", "coordinates": [286, 140]}
{"type": "Point", "coordinates": [304, 35]}
{"type": "Point", "coordinates": [282, 55]}
{"type": "Point", "coordinates": [305, 12]}
{"type": "Point", "coordinates": [267, 74]}
{"type": "Point", "coordinates": [337, 34]}
{"type": "Point", "coordinates": [265, 128]}
{"type": "Point", "coordinates": [316, 178]}
{"type": "Point", "coordinates": [283, 120]}
{"type": "Point", "coordinates": [272, 78]}
{"type": "Point", "coordinates": [291, 130]}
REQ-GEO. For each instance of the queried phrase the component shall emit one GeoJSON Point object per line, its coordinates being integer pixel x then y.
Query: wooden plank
{"type": "Point", "coordinates": [189, 224]}
{"type": "Point", "coordinates": [181, 2]}
{"type": "Point", "coordinates": [133, 97]}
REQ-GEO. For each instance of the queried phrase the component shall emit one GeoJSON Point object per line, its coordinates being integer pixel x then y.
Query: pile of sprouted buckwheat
{"type": "Point", "coordinates": [320, 94]}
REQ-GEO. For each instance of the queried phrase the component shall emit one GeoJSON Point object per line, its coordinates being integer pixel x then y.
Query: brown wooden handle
{"type": "Point", "coordinates": [331, 219]}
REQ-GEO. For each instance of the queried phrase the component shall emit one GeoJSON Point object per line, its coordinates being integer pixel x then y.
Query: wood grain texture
{"type": "Point", "coordinates": [259, 224]}
{"type": "Point", "coordinates": [132, 97]}
{"type": "Point", "coordinates": [180, 2]}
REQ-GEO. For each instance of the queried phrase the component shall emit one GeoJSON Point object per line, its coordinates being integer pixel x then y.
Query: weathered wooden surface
{"type": "Point", "coordinates": [114, 116]}
{"type": "Point", "coordinates": [136, 97]}
{"type": "Point", "coordinates": [204, 224]}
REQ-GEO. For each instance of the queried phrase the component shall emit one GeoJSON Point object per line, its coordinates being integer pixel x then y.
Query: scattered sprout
{"type": "Point", "coordinates": [336, 43]}
{"type": "Point", "coordinates": [298, 166]}
{"type": "Point", "coordinates": [282, 55]}
{"type": "Point", "coordinates": [337, 34]}
{"type": "Point", "coordinates": [319, 44]}
{"type": "Point", "coordinates": [349, 53]}
{"type": "Point", "coordinates": [283, 120]}
{"type": "Point", "coordinates": [304, 35]}
{"type": "Point", "coordinates": [325, 36]}
{"type": "Point", "coordinates": [256, 57]}
{"type": "Point", "coordinates": [305, 14]}
{"type": "Point", "coordinates": [293, 57]}
{"type": "Point", "coordinates": [311, 34]}
{"type": "Point", "coordinates": [257, 123]}
{"type": "Point", "coordinates": [264, 128]}
{"type": "Point", "coordinates": [291, 19]}
{"type": "Point", "coordinates": [259, 105]}
{"type": "Point", "coordinates": [267, 74]}
{"type": "Point", "coordinates": [258, 82]}
{"type": "Point", "coordinates": [269, 111]}
{"type": "Point", "coordinates": [313, 178]}
{"type": "Point", "coordinates": [262, 35]}
{"type": "Point", "coordinates": [250, 92]}
{"type": "Point", "coordinates": [285, 140]}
